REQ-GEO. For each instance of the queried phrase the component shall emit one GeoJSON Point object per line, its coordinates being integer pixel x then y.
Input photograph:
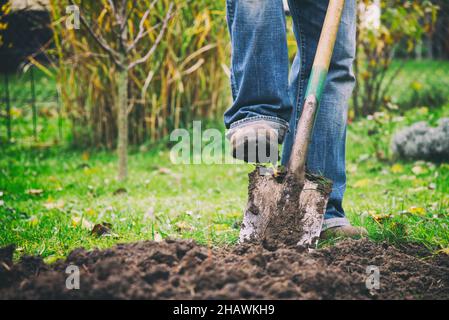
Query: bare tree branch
{"type": "Point", "coordinates": [100, 40]}
{"type": "Point", "coordinates": [142, 31]}
{"type": "Point", "coordinates": [111, 4]}
{"type": "Point", "coordinates": [147, 31]}
{"type": "Point", "coordinates": [146, 85]}
{"type": "Point", "coordinates": [156, 42]}
{"type": "Point", "coordinates": [128, 14]}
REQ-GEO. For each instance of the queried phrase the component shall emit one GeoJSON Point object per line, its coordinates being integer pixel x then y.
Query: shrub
{"type": "Point", "coordinates": [422, 142]}
{"type": "Point", "coordinates": [400, 22]}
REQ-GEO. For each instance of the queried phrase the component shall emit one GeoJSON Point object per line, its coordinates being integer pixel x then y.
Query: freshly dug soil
{"type": "Point", "coordinates": [185, 270]}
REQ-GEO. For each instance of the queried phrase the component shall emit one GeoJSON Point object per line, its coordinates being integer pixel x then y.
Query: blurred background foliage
{"type": "Point", "coordinates": [58, 90]}
{"type": "Point", "coordinates": [402, 62]}
{"type": "Point", "coordinates": [383, 29]}
{"type": "Point", "coordinates": [183, 80]}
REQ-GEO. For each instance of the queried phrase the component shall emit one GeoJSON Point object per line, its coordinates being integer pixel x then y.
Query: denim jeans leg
{"type": "Point", "coordinates": [327, 150]}
{"type": "Point", "coordinates": [259, 64]}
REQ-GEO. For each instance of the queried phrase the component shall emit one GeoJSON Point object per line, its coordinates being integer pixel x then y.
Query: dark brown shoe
{"type": "Point", "coordinates": [344, 232]}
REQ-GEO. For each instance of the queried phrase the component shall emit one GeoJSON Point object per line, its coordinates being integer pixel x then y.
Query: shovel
{"type": "Point", "coordinates": [288, 205]}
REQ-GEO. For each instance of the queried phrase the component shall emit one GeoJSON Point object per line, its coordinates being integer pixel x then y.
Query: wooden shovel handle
{"type": "Point", "coordinates": [317, 80]}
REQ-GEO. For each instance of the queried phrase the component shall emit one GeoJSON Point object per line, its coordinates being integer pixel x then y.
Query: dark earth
{"type": "Point", "coordinates": [184, 270]}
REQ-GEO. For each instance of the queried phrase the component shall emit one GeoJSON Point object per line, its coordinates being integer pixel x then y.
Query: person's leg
{"type": "Point", "coordinates": [259, 66]}
{"type": "Point", "coordinates": [327, 150]}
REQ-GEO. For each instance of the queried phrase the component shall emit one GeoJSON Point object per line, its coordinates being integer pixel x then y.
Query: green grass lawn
{"type": "Point", "coordinates": [397, 201]}
{"type": "Point", "coordinates": [419, 82]}
{"type": "Point", "coordinates": [50, 198]}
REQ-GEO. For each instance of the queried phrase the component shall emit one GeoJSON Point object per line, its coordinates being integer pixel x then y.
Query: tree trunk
{"type": "Point", "coordinates": [122, 123]}
{"type": "Point", "coordinates": [429, 44]}
{"type": "Point", "coordinates": [418, 50]}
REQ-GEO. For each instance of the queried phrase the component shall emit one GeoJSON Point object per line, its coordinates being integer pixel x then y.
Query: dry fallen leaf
{"type": "Point", "coordinates": [149, 215]}
{"type": "Point", "coordinates": [90, 171]}
{"type": "Point", "coordinates": [85, 156]}
{"type": "Point", "coordinates": [397, 168]}
{"type": "Point", "coordinates": [352, 168]}
{"type": "Point", "coordinates": [33, 221]}
{"type": "Point", "coordinates": [51, 259]}
{"type": "Point", "coordinates": [54, 205]}
{"type": "Point", "coordinates": [362, 183]}
{"type": "Point", "coordinates": [183, 226]}
{"type": "Point", "coordinates": [418, 170]}
{"type": "Point", "coordinates": [170, 173]}
{"type": "Point", "coordinates": [157, 237]}
{"type": "Point", "coordinates": [165, 171]}
{"type": "Point", "coordinates": [417, 210]}
{"type": "Point", "coordinates": [83, 166]}
{"type": "Point", "coordinates": [82, 222]}
{"type": "Point", "coordinates": [102, 229]}
{"type": "Point", "coordinates": [120, 191]}
{"type": "Point", "coordinates": [90, 212]}
{"type": "Point", "coordinates": [35, 192]}
{"type": "Point", "coordinates": [221, 227]}
{"type": "Point", "coordinates": [379, 217]}
{"type": "Point", "coordinates": [417, 190]}
{"type": "Point", "coordinates": [234, 215]}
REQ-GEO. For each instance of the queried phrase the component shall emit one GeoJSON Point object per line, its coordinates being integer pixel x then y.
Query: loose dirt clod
{"type": "Point", "coordinates": [185, 270]}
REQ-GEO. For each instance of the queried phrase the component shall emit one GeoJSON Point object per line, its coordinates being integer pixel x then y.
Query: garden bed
{"type": "Point", "coordinates": [184, 270]}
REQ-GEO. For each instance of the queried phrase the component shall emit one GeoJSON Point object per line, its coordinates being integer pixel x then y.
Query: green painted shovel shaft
{"type": "Point", "coordinates": [316, 83]}
{"type": "Point", "coordinates": [315, 87]}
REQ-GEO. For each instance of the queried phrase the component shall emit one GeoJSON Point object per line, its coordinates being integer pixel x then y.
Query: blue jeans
{"type": "Point", "coordinates": [262, 88]}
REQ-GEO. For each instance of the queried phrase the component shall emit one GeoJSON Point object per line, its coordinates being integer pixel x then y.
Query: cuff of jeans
{"type": "Point", "coordinates": [275, 123]}
{"type": "Point", "coordinates": [334, 222]}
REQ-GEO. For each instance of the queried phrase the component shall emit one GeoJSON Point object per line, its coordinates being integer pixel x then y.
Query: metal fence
{"type": "Point", "coordinates": [22, 101]}
{"type": "Point", "coordinates": [23, 106]}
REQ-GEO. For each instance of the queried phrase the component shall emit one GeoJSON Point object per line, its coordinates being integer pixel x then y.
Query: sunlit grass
{"type": "Point", "coordinates": [396, 201]}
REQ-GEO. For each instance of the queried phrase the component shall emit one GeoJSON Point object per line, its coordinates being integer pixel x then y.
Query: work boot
{"type": "Point", "coordinates": [344, 232]}
{"type": "Point", "coordinates": [256, 142]}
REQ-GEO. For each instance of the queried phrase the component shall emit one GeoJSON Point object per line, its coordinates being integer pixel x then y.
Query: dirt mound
{"type": "Point", "coordinates": [185, 270]}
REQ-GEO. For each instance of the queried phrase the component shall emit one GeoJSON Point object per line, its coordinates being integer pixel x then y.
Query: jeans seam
{"type": "Point", "coordinates": [277, 120]}
{"type": "Point", "coordinates": [230, 13]}
{"type": "Point", "coordinates": [301, 48]}
{"type": "Point", "coordinates": [276, 123]}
